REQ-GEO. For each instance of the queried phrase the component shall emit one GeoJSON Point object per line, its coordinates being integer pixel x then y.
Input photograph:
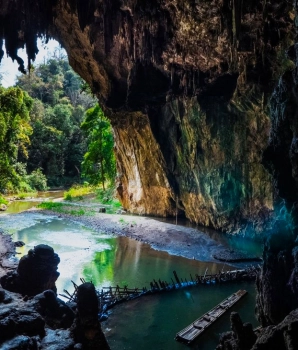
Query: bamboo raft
{"type": "Point", "coordinates": [196, 328]}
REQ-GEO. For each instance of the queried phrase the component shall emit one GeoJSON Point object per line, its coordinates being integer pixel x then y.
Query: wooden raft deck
{"type": "Point", "coordinates": [196, 328]}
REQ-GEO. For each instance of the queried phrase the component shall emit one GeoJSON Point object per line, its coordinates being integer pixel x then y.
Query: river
{"type": "Point", "coordinates": [149, 322]}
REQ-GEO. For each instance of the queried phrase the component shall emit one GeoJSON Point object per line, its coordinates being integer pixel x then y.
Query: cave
{"type": "Point", "coordinates": [202, 97]}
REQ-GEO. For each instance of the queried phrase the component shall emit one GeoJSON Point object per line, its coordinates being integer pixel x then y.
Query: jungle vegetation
{"type": "Point", "coordinates": [52, 132]}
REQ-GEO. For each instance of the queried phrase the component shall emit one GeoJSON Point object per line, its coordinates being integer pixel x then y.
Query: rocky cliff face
{"type": "Point", "coordinates": [277, 285]}
{"type": "Point", "coordinates": [185, 84]}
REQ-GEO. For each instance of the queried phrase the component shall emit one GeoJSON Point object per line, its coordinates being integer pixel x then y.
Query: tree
{"type": "Point", "coordinates": [15, 130]}
{"type": "Point", "coordinates": [99, 161]}
{"type": "Point", "coordinates": [58, 144]}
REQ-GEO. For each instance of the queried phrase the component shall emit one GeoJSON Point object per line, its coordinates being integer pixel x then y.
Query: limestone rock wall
{"type": "Point", "coordinates": [197, 74]}
{"type": "Point", "coordinates": [142, 183]}
{"type": "Point", "coordinates": [213, 156]}
{"type": "Point", "coordinates": [277, 285]}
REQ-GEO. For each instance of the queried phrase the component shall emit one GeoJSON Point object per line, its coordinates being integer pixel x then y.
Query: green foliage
{"type": "Point", "coordinates": [61, 208]}
{"type": "Point", "coordinates": [99, 164]}
{"type": "Point", "coordinates": [108, 197]}
{"type": "Point", "coordinates": [3, 200]}
{"type": "Point", "coordinates": [26, 194]}
{"type": "Point", "coordinates": [58, 144]}
{"type": "Point", "coordinates": [24, 187]}
{"type": "Point", "coordinates": [77, 192]}
{"type": "Point", "coordinates": [51, 206]}
{"type": "Point", "coordinates": [37, 180]}
{"type": "Point", "coordinates": [15, 130]}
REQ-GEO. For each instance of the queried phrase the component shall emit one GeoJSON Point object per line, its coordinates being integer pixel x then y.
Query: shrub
{"type": "Point", "coordinates": [50, 205]}
{"type": "Point", "coordinates": [77, 192]}
{"type": "Point", "coordinates": [3, 200]}
{"type": "Point", "coordinates": [108, 197]}
{"type": "Point", "coordinates": [24, 187]}
{"type": "Point", "coordinates": [37, 180]}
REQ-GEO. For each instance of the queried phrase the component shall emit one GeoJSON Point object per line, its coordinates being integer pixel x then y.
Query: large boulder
{"type": "Point", "coordinates": [3, 207]}
{"type": "Point", "coordinates": [36, 272]}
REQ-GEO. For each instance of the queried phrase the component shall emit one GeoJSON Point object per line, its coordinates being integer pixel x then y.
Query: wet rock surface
{"type": "Point", "coordinates": [40, 322]}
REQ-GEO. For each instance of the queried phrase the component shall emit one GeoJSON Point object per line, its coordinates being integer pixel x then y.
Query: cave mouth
{"type": "Point", "coordinates": [10, 68]}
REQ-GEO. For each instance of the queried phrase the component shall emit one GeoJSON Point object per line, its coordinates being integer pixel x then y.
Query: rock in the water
{"type": "Point", "coordinates": [284, 336]}
{"type": "Point", "coordinates": [36, 272]}
{"type": "Point", "coordinates": [87, 329]}
{"type": "Point", "coordinates": [3, 207]}
{"type": "Point", "coordinates": [19, 244]}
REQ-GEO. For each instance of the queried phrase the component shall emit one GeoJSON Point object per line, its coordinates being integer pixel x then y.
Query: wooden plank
{"type": "Point", "coordinates": [196, 328]}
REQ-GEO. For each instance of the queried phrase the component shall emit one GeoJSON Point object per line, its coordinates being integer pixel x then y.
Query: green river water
{"type": "Point", "coordinates": [150, 322]}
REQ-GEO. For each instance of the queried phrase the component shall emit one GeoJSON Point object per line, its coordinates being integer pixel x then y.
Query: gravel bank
{"type": "Point", "coordinates": [174, 239]}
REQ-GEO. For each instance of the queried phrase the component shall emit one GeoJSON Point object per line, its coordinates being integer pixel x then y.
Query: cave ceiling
{"type": "Point", "coordinates": [186, 85]}
{"type": "Point", "coordinates": [182, 45]}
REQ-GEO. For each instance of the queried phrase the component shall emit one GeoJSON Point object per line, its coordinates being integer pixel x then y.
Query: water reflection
{"type": "Point", "coordinates": [21, 205]}
{"type": "Point", "coordinates": [154, 321]}
{"type": "Point", "coordinates": [104, 259]}
{"type": "Point", "coordinates": [146, 323]}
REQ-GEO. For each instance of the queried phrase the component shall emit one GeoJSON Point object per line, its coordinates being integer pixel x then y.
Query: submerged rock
{"type": "Point", "coordinates": [3, 207]}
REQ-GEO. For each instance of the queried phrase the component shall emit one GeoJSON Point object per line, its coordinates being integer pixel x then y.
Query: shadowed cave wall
{"type": "Point", "coordinates": [186, 86]}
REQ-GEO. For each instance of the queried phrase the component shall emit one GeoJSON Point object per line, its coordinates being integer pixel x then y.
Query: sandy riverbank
{"type": "Point", "coordinates": [174, 239]}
